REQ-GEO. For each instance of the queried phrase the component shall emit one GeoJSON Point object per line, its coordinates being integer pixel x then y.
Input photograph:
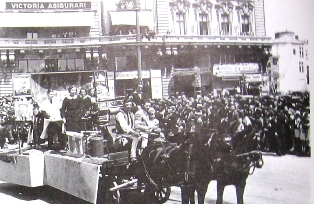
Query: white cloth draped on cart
{"type": "Point", "coordinates": [46, 123]}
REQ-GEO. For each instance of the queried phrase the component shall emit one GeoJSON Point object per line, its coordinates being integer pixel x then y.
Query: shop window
{"type": "Point", "coordinates": [79, 64]}
{"type": "Point", "coordinates": [180, 24]}
{"type": "Point", "coordinates": [203, 23]}
{"type": "Point", "coordinates": [62, 65]}
{"type": "Point", "coordinates": [131, 62]}
{"type": "Point", "coordinates": [120, 63]}
{"type": "Point", "coordinates": [70, 64]}
{"type": "Point", "coordinates": [51, 65]}
{"type": "Point", "coordinates": [23, 66]}
{"type": "Point", "coordinates": [35, 66]}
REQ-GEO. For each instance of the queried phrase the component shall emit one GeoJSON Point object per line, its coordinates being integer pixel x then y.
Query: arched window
{"type": "Point", "coordinates": [179, 10]}
{"type": "Point", "coordinates": [245, 11]}
{"type": "Point", "coordinates": [202, 10]}
{"type": "Point", "coordinates": [224, 15]}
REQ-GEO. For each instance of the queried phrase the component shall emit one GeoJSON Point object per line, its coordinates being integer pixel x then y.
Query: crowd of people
{"type": "Point", "coordinates": [281, 122]}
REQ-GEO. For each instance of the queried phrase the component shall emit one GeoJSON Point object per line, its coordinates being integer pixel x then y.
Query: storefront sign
{"type": "Point", "coordinates": [132, 75]}
{"type": "Point", "coordinates": [230, 78]}
{"type": "Point", "coordinates": [48, 5]}
{"type": "Point", "coordinates": [156, 86]}
{"type": "Point", "coordinates": [248, 77]}
{"type": "Point", "coordinates": [254, 78]}
{"type": "Point", "coordinates": [191, 71]}
{"type": "Point", "coordinates": [239, 68]}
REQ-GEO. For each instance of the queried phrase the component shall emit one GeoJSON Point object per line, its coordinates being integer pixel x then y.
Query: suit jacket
{"type": "Point", "coordinates": [124, 122]}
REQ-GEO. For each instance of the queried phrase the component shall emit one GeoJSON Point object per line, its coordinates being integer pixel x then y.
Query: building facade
{"type": "Point", "coordinates": [289, 63]}
{"type": "Point", "coordinates": [176, 46]}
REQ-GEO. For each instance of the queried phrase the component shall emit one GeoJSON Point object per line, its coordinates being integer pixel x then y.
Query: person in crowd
{"type": "Point", "coordinates": [125, 125]}
{"type": "Point", "coordinates": [52, 126]}
{"type": "Point", "coordinates": [297, 131]}
{"type": "Point", "coordinates": [85, 100]}
{"type": "Point", "coordinates": [142, 122]}
{"type": "Point", "coordinates": [71, 110]}
{"type": "Point", "coordinates": [305, 136]}
{"type": "Point", "coordinates": [86, 104]}
{"type": "Point", "coordinates": [154, 124]}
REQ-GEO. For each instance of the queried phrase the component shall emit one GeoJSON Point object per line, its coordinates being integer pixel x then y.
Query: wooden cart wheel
{"type": "Point", "coordinates": [112, 196]}
{"type": "Point", "coordinates": [115, 195]}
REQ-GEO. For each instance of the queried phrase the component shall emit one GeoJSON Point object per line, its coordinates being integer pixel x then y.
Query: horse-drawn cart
{"type": "Point", "coordinates": [119, 177]}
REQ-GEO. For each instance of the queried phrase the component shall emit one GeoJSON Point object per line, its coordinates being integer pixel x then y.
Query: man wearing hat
{"type": "Point", "coordinates": [125, 126]}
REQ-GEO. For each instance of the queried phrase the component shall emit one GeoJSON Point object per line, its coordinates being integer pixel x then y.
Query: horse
{"type": "Point", "coordinates": [235, 160]}
{"type": "Point", "coordinates": [186, 165]}
{"type": "Point", "coordinates": [232, 159]}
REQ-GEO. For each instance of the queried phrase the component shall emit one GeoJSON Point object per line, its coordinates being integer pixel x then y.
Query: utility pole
{"type": "Point", "coordinates": [138, 42]}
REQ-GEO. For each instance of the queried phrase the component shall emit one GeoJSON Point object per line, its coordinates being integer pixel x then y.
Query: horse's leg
{"type": "Point", "coordinates": [240, 191]}
{"type": "Point", "coordinates": [185, 194]}
{"type": "Point", "coordinates": [220, 192]}
{"type": "Point", "coordinates": [191, 194]}
{"type": "Point", "coordinates": [201, 191]}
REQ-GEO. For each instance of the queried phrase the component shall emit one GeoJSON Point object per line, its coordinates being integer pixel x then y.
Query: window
{"type": "Point", "coordinates": [294, 51]}
{"type": "Point", "coordinates": [180, 24]}
{"type": "Point", "coordinates": [120, 63]}
{"type": "Point", "coordinates": [70, 64]}
{"type": "Point", "coordinates": [245, 24]}
{"type": "Point", "coordinates": [224, 24]}
{"type": "Point", "coordinates": [203, 23]}
{"type": "Point", "coordinates": [275, 61]}
{"type": "Point", "coordinates": [301, 52]}
{"type": "Point", "coordinates": [308, 74]}
{"type": "Point", "coordinates": [301, 68]}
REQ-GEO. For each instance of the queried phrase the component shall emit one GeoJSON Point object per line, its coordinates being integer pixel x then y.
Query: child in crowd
{"type": "Point", "coordinates": [153, 123]}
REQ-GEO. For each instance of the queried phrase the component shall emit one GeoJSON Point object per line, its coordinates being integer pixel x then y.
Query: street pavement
{"type": "Point", "coordinates": [282, 180]}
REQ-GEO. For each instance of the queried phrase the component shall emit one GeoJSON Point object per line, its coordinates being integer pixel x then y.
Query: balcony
{"type": "Point", "coordinates": [42, 43]}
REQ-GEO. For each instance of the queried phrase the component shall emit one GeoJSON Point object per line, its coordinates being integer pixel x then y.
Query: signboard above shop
{"type": "Point", "coordinates": [48, 5]}
{"type": "Point", "coordinates": [238, 68]}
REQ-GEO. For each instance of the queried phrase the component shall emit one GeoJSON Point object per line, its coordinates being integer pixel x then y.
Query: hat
{"type": "Point", "coordinates": [151, 110]}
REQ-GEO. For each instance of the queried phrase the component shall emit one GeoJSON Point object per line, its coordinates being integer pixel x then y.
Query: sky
{"type": "Point", "coordinates": [292, 15]}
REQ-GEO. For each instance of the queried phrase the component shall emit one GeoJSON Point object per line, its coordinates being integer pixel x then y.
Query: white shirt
{"type": "Point", "coordinates": [53, 109]}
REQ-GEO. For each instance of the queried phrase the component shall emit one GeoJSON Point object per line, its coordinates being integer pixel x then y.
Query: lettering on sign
{"type": "Point", "coordinates": [48, 5]}
{"type": "Point", "coordinates": [31, 42]}
{"type": "Point", "coordinates": [131, 75]}
{"type": "Point", "coordinates": [68, 41]}
{"type": "Point", "coordinates": [239, 68]}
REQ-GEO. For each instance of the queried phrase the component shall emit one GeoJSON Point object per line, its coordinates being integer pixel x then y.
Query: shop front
{"type": "Point", "coordinates": [190, 81]}
{"type": "Point", "coordinates": [241, 78]}
{"type": "Point", "coordinates": [127, 81]}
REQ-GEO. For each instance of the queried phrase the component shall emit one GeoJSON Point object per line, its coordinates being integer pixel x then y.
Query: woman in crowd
{"type": "Point", "coordinates": [71, 110]}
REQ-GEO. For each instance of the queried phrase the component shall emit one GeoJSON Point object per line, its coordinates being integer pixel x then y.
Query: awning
{"type": "Point", "coordinates": [60, 19]}
{"type": "Point", "coordinates": [129, 18]}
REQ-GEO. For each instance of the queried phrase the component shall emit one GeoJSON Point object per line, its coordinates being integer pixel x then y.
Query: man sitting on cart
{"type": "Point", "coordinates": [125, 126]}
